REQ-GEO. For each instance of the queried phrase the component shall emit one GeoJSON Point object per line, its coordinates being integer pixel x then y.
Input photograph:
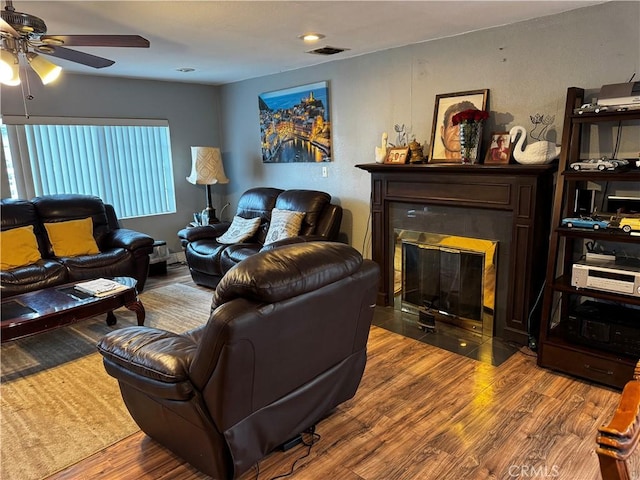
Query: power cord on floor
{"type": "Point", "coordinates": [533, 343]}
{"type": "Point", "coordinates": [313, 439]}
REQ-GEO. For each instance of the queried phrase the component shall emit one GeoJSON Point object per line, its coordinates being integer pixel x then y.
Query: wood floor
{"type": "Point", "coordinates": [420, 413]}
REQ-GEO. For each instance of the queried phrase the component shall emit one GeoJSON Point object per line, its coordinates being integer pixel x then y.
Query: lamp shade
{"type": "Point", "coordinates": [46, 70]}
{"type": "Point", "coordinates": [9, 68]}
{"type": "Point", "coordinates": [6, 71]}
{"type": "Point", "coordinates": [206, 166]}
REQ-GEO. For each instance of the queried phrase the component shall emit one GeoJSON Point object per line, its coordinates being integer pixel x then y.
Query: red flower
{"type": "Point", "coordinates": [471, 115]}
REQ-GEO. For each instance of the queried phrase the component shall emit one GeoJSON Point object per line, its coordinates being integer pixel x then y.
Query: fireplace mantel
{"type": "Point", "coordinates": [523, 190]}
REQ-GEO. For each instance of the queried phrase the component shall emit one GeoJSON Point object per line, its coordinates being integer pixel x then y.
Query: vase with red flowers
{"type": "Point", "coordinates": [470, 127]}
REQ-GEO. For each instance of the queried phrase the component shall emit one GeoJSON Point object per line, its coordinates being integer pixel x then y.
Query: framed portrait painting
{"type": "Point", "coordinates": [499, 151]}
{"type": "Point", "coordinates": [445, 137]}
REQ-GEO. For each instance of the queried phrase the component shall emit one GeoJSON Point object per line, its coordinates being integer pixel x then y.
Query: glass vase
{"type": "Point", "coordinates": [470, 134]}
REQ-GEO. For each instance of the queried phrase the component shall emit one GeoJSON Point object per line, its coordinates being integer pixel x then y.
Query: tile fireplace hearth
{"type": "Point", "coordinates": [506, 204]}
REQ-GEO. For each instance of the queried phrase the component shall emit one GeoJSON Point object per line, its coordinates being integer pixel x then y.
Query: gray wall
{"type": "Point", "coordinates": [527, 67]}
{"type": "Point", "coordinates": [193, 113]}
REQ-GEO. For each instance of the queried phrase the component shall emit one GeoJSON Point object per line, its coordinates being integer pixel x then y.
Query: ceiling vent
{"type": "Point", "coordinates": [327, 50]}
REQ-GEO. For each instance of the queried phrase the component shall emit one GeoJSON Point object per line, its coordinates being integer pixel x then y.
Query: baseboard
{"type": "Point", "coordinates": [176, 257]}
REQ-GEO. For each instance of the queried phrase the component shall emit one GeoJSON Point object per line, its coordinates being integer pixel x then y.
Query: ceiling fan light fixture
{"type": "Point", "coordinates": [6, 62]}
{"type": "Point", "coordinates": [15, 77]}
{"type": "Point", "coordinates": [46, 70]}
{"type": "Point", "coordinates": [10, 60]}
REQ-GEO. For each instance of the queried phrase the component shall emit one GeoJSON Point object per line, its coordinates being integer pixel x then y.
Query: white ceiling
{"type": "Point", "coordinates": [228, 41]}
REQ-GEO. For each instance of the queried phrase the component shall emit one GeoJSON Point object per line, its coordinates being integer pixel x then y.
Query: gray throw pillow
{"type": "Point", "coordinates": [240, 230]}
{"type": "Point", "coordinates": [284, 224]}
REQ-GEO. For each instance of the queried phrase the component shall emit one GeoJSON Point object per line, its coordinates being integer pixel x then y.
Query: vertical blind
{"type": "Point", "coordinates": [128, 166]}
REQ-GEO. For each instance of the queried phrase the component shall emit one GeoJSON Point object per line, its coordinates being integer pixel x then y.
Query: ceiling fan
{"type": "Point", "coordinates": [24, 36]}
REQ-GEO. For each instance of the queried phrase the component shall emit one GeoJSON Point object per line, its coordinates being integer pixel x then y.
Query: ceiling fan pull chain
{"type": "Point", "coordinates": [28, 96]}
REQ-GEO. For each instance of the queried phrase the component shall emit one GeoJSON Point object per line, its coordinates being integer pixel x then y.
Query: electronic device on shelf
{"type": "Point", "coordinates": [620, 94]}
{"type": "Point", "coordinates": [607, 276]}
{"type": "Point", "coordinates": [611, 327]}
{"type": "Point", "coordinates": [623, 204]}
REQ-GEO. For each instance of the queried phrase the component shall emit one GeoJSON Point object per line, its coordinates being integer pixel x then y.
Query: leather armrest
{"type": "Point", "coordinates": [292, 240]}
{"type": "Point", "coordinates": [212, 232]}
{"type": "Point", "coordinates": [129, 239]}
{"type": "Point", "coordinates": [156, 355]}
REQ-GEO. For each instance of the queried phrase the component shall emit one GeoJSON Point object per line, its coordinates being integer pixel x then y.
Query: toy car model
{"type": "Point", "coordinates": [589, 108]}
{"type": "Point", "coordinates": [585, 222]}
{"type": "Point", "coordinates": [601, 164]}
{"type": "Point", "coordinates": [627, 224]}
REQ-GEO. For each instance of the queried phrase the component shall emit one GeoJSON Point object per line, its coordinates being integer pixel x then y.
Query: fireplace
{"type": "Point", "coordinates": [447, 278]}
{"type": "Point", "coordinates": [506, 205]}
{"type": "Point", "coordinates": [456, 250]}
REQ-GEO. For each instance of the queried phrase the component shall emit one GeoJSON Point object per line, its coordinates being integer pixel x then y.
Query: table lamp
{"type": "Point", "coordinates": [207, 169]}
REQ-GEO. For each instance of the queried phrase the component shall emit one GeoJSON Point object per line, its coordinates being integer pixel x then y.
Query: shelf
{"type": "Point", "coordinates": [606, 117]}
{"type": "Point", "coordinates": [606, 235]}
{"type": "Point", "coordinates": [455, 168]}
{"type": "Point", "coordinates": [626, 175]}
{"type": "Point", "coordinates": [563, 284]}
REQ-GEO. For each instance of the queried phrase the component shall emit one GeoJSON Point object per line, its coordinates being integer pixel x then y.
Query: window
{"type": "Point", "coordinates": [125, 163]}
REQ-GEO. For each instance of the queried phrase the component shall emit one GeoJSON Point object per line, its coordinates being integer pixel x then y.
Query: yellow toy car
{"type": "Point", "coordinates": [629, 223]}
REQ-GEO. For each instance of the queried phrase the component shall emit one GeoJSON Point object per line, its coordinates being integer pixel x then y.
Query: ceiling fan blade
{"type": "Point", "coordinates": [98, 40]}
{"type": "Point", "coordinates": [78, 57]}
{"type": "Point", "coordinates": [6, 28]}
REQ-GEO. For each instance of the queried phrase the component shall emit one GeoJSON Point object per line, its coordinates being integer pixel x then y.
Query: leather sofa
{"type": "Point", "coordinates": [209, 259]}
{"type": "Point", "coordinates": [284, 345]}
{"type": "Point", "coordinates": [123, 252]}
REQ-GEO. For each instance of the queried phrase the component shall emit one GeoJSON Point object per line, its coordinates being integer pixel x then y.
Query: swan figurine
{"type": "Point", "coordinates": [381, 151]}
{"type": "Point", "coordinates": [536, 153]}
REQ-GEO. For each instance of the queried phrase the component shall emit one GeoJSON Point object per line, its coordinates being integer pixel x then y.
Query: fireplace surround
{"type": "Point", "coordinates": [463, 200]}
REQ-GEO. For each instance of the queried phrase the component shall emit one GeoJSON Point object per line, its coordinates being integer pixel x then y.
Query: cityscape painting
{"type": "Point", "coordinates": [295, 125]}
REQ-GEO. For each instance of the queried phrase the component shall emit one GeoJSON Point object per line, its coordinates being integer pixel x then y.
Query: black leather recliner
{"type": "Point", "coordinates": [209, 260]}
{"type": "Point", "coordinates": [123, 252]}
{"type": "Point", "coordinates": [285, 344]}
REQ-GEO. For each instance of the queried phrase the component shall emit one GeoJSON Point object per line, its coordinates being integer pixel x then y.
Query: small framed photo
{"type": "Point", "coordinates": [445, 137]}
{"type": "Point", "coordinates": [397, 155]}
{"type": "Point", "coordinates": [499, 151]}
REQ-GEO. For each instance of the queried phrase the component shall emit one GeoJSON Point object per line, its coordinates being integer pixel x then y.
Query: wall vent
{"type": "Point", "coordinates": [327, 50]}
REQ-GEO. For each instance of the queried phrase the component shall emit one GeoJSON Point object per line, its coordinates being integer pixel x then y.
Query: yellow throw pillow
{"type": "Point", "coordinates": [72, 238]}
{"type": "Point", "coordinates": [18, 247]}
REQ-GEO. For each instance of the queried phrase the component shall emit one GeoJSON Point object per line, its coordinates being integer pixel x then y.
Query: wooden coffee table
{"type": "Point", "coordinates": [53, 307]}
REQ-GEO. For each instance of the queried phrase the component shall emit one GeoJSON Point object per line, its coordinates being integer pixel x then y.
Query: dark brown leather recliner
{"type": "Point", "coordinates": [209, 260]}
{"type": "Point", "coordinates": [285, 344]}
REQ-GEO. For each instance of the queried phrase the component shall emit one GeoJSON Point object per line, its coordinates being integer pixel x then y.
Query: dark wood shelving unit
{"type": "Point", "coordinates": [558, 350]}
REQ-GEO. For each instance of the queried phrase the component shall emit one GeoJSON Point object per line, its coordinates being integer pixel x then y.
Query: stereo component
{"type": "Point", "coordinates": [608, 277]}
{"type": "Point", "coordinates": [611, 327]}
